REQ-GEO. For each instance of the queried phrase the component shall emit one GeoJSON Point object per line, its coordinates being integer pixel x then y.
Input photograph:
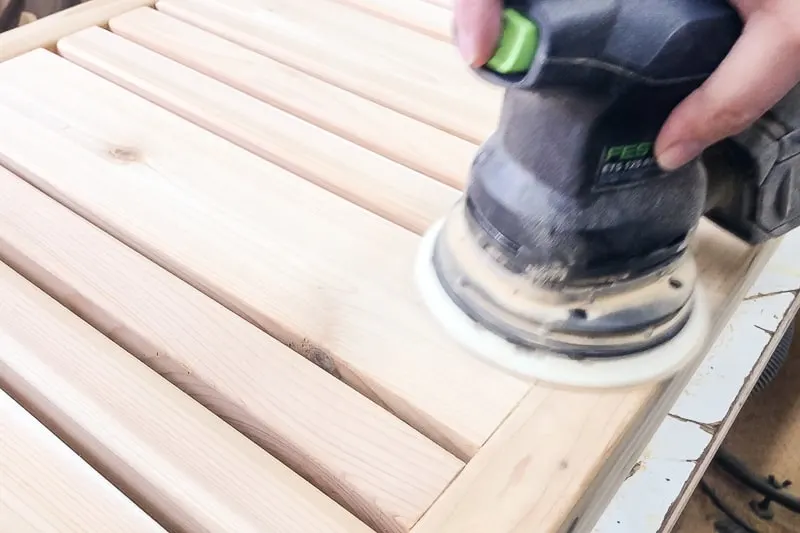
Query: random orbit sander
{"type": "Point", "coordinates": [567, 260]}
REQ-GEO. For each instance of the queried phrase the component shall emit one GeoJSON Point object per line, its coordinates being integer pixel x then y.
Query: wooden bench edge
{"type": "Point", "coordinates": [47, 31]}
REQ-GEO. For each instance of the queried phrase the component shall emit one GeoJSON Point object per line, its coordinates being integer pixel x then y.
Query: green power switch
{"type": "Point", "coordinates": [517, 46]}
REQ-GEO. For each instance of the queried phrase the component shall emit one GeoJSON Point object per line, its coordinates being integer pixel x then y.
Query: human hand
{"type": "Point", "coordinates": [477, 27]}
{"type": "Point", "coordinates": [761, 68]}
{"type": "Point", "coordinates": [759, 71]}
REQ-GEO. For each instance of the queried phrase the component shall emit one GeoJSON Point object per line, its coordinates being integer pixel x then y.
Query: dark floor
{"type": "Point", "coordinates": [766, 436]}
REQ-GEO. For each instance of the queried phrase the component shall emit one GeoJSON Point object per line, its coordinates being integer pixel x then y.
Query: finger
{"type": "Point", "coordinates": [477, 28]}
{"type": "Point", "coordinates": [759, 71]}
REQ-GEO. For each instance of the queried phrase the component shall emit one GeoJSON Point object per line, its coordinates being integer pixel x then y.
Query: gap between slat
{"type": "Point", "coordinates": [447, 4]}
{"type": "Point", "coordinates": [394, 192]}
{"type": "Point", "coordinates": [46, 486]}
{"type": "Point", "coordinates": [424, 17]}
{"type": "Point", "coordinates": [175, 459]}
{"type": "Point", "coordinates": [411, 73]}
{"type": "Point", "coordinates": [366, 459]}
{"type": "Point", "coordinates": [409, 142]}
{"type": "Point", "coordinates": [326, 278]}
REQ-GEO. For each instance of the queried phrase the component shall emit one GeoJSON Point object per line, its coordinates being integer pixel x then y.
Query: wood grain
{"type": "Point", "coordinates": [324, 276]}
{"type": "Point", "coordinates": [48, 30]}
{"type": "Point", "coordinates": [407, 141]}
{"type": "Point", "coordinates": [563, 484]}
{"type": "Point", "coordinates": [728, 268]}
{"type": "Point", "coordinates": [45, 487]}
{"type": "Point", "coordinates": [395, 192]}
{"type": "Point", "coordinates": [394, 66]}
{"type": "Point", "coordinates": [177, 460]}
{"type": "Point", "coordinates": [379, 468]}
{"type": "Point", "coordinates": [425, 17]}
{"type": "Point", "coordinates": [514, 486]}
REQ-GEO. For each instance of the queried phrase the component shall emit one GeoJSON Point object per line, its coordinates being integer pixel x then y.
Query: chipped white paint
{"type": "Point", "coordinates": [717, 382]}
{"type": "Point", "coordinates": [641, 504]}
{"type": "Point", "coordinates": [782, 272]}
{"type": "Point", "coordinates": [673, 462]}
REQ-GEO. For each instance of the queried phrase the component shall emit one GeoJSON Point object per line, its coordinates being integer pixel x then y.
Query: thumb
{"type": "Point", "coordinates": [477, 28]}
{"type": "Point", "coordinates": [760, 70]}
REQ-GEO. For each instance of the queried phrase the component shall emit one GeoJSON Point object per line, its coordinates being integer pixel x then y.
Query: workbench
{"type": "Point", "coordinates": [651, 498]}
{"type": "Point", "coordinates": [209, 213]}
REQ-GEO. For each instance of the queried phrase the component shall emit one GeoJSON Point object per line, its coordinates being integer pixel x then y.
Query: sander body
{"type": "Point", "coordinates": [567, 259]}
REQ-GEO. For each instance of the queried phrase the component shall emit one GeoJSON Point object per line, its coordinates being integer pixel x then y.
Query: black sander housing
{"type": "Point", "coordinates": [567, 258]}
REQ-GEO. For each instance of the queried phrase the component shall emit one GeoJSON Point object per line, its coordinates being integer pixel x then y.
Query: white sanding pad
{"type": "Point", "coordinates": [653, 365]}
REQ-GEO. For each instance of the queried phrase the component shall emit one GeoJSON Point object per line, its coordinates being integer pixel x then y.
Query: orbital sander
{"type": "Point", "coordinates": [567, 259]}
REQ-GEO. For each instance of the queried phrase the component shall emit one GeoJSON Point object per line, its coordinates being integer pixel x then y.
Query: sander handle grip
{"type": "Point", "coordinates": [754, 176]}
{"type": "Point", "coordinates": [611, 45]}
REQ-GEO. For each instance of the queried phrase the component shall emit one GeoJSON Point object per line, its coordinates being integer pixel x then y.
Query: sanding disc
{"type": "Point", "coordinates": [652, 365]}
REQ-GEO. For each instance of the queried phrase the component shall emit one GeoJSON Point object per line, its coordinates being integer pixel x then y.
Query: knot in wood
{"type": "Point", "coordinates": [125, 154]}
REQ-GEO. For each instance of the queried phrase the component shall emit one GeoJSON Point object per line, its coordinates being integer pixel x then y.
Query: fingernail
{"type": "Point", "coordinates": [679, 154]}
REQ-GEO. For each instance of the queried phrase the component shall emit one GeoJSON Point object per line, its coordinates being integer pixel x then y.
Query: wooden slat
{"type": "Point", "coordinates": [326, 277]}
{"type": "Point", "coordinates": [727, 268]}
{"type": "Point", "coordinates": [48, 30]}
{"type": "Point", "coordinates": [408, 198]}
{"type": "Point", "coordinates": [378, 467]}
{"type": "Point", "coordinates": [514, 486]}
{"type": "Point", "coordinates": [425, 17]}
{"type": "Point", "coordinates": [186, 467]}
{"type": "Point", "coordinates": [152, 182]}
{"type": "Point", "coordinates": [47, 488]}
{"type": "Point", "coordinates": [588, 439]}
{"type": "Point", "coordinates": [397, 67]}
{"type": "Point", "coordinates": [447, 4]}
{"type": "Point", "coordinates": [419, 146]}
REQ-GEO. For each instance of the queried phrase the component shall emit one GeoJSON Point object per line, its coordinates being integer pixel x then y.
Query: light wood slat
{"type": "Point", "coordinates": [412, 200]}
{"type": "Point", "coordinates": [514, 486]}
{"type": "Point", "coordinates": [45, 487]}
{"type": "Point", "coordinates": [378, 467]}
{"type": "Point", "coordinates": [188, 468]}
{"type": "Point", "coordinates": [324, 276]}
{"type": "Point", "coordinates": [447, 4]}
{"type": "Point", "coordinates": [50, 29]}
{"type": "Point", "coordinates": [425, 17]}
{"type": "Point", "coordinates": [511, 487]}
{"type": "Point", "coordinates": [424, 148]}
{"type": "Point", "coordinates": [728, 268]}
{"type": "Point", "coordinates": [411, 73]}
{"type": "Point", "coordinates": [335, 19]}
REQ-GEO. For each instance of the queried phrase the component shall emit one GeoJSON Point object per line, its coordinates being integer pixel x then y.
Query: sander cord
{"type": "Point", "coordinates": [733, 466]}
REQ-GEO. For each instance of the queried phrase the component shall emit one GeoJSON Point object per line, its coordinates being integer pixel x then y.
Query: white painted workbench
{"type": "Point", "coordinates": [653, 497]}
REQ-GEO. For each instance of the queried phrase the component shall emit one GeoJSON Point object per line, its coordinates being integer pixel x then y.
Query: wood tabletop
{"type": "Point", "coordinates": [209, 215]}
